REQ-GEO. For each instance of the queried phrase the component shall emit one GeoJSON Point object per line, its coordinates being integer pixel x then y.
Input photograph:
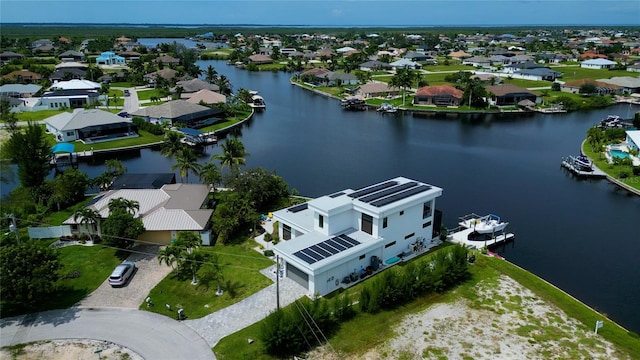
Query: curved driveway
{"type": "Point", "coordinates": [150, 335]}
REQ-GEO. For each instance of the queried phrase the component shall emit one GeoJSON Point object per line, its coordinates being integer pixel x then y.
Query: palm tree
{"type": "Point", "coordinates": [115, 167]}
{"type": "Point", "coordinates": [130, 206]}
{"type": "Point", "coordinates": [168, 256]}
{"type": "Point", "coordinates": [224, 84]}
{"type": "Point", "coordinates": [233, 154]}
{"type": "Point", "coordinates": [186, 160]}
{"type": "Point", "coordinates": [210, 175]}
{"type": "Point", "coordinates": [171, 144]}
{"type": "Point", "coordinates": [403, 79]}
{"type": "Point", "coordinates": [211, 74]}
{"type": "Point", "coordinates": [244, 95]}
{"type": "Point", "coordinates": [87, 216]}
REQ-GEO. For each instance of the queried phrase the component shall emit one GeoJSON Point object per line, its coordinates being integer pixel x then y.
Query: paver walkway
{"type": "Point", "coordinates": [256, 307]}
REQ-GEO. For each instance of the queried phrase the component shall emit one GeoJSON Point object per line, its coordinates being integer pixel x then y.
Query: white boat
{"type": "Point", "coordinates": [582, 163]}
{"type": "Point", "coordinates": [387, 108]}
{"type": "Point", "coordinates": [257, 102]}
{"type": "Point", "coordinates": [488, 224]}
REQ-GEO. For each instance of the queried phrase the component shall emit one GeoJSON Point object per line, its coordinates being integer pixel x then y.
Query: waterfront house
{"type": "Point", "coordinates": [259, 59]}
{"type": "Point", "coordinates": [23, 76]}
{"type": "Point", "coordinates": [602, 88]}
{"type": "Point", "coordinates": [507, 94]}
{"type": "Point", "coordinates": [166, 60]}
{"type": "Point", "coordinates": [633, 139]}
{"type": "Point", "coordinates": [167, 74]}
{"type": "Point", "coordinates": [164, 212]}
{"type": "Point", "coordinates": [629, 84]}
{"type": "Point", "coordinates": [179, 112]}
{"type": "Point", "coordinates": [109, 58]}
{"type": "Point", "coordinates": [195, 85]}
{"type": "Point", "coordinates": [438, 95]}
{"type": "Point", "coordinates": [376, 89]}
{"type": "Point", "coordinates": [598, 64]}
{"type": "Point", "coordinates": [205, 96]}
{"type": "Point", "coordinates": [355, 232]}
{"type": "Point", "coordinates": [336, 79]}
{"type": "Point", "coordinates": [89, 126]}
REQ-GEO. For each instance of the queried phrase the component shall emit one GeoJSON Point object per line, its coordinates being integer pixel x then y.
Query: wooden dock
{"type": "Point", "coordinates": [596, 173]}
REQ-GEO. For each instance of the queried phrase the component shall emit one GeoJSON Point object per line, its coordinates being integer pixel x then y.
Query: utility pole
{"type": "Point", "coordinates": [277, 282]}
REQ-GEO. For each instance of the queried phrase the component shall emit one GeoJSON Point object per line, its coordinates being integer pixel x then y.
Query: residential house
{"type": "Point", "coordinates": [7, 56]}
{"type": "Point", "coordinates": [541, 73]}
{"type": "Point", "coordinates": [142, 181]}
{"type": "Point", "coordinates": [337, 79]}
{"type": "Point", "coordinates": [19, 90]}
{"type": "Point", "coordinates": [71, 55]}
{"type": "Point", "coordinates": [167, 60]}
{"type": "Point", "coordinates": [602, 88]}
{"type": "Point", "coordinates": [459, 55]}
{"type": "Point", "coordinates": [629, 84]}
{"type": "Point", "coordinates": [76, 84]}
{"type": "Point", "coordinates": [70, 99]}
{"type": "Point", "coordinates": [23, 76]}
{"type": "Point", "coordinates": [167, 74]}
{"type": "Point", "coordinates": [598, 64]}
{"type": "Point", "coordinates": [416, 56]}
{"type": "Point", "coordinates": [40, 43]}
{"type": "Point", "coordinates": [326, 240]}
{"type": "Point", "coordinates": [438, 95]}
{"type": "Point", "coordinates": [633, 139]}
{"type": "Point", "coordinates": [260, 59]}
{"type": "Point", "coordinates": [374, 66]}
{"type": "Point", "coordinates": [206, 96]}
{"type": "Point", "coordinates": [90, 126]}
{"type": "Point", "coordinates": [194, 85]}
{"type": "Point", "coordinates": [164, 212]}
{"type": "Point", "coordinates": [67, 73]}
{"type": "Point", "coordinates": [179, 112]}
{"type": "Point", "coordinates": [634, 68]}
{"type": "Point", "coordinates": [477, 61]}
{"type": "Point", "coordinates": [507, 94]}
{"type": "Point", "coordinates": [405, 64]}
{"type": "Point", "coordinates": [376, 89]}
{"type": "Point", "coordinates": [130, 55]}
{"type": "Point", "coordinates": [109, 58]}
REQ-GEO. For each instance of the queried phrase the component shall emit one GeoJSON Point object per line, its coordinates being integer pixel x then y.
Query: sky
{"type": "Point", "coordinates": [327, 13]}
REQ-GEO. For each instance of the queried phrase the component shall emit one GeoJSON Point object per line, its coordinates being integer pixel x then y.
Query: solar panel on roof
{"type": "Point", "coordinates": [297, 208]}
{"type": "Point", "coordinates": [387, 192]}
{"type": "Point", "coordinates": [312, 254]}
{"type": "Point", "coordinates": [336, 195]}
{"type": "Point", "coordinates": [328, 248]}
{"type": "Point", "coordinates": [304, 257]}
{"type": "Point", "coordinates": [343, 242]}
{"type": "Point", "coordinates": [320, 251]}
{"type": "Point", "coordinates": [348, 239]}
{"type": "Point", "coordinates": [372, 189]}
{"type": "Point", "coordinates": [399, 196]}
{"type": "Point", "coordinates": [335, 244]}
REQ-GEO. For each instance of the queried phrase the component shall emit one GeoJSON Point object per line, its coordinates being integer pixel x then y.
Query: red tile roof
{"type": "Point", "coordinates": [440, 90]}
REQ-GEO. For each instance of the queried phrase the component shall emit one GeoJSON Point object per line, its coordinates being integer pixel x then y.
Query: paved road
{"type": "Point", "coordinates": [131, 102]}
{"type": "Point", "coordinates": [151, 335]}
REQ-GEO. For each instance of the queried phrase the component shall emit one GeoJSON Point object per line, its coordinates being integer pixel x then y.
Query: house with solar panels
{"type": "Point", "coordinates": [335, 240]}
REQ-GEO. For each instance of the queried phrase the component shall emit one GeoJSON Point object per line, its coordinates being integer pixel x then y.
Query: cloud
{"type": "Point", "coordinates": [336, 12]}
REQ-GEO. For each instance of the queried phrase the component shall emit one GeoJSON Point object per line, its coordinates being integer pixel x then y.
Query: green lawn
{"type": "Point", "coordinates": [84, 269]}
{"type": "Point", "coordinates": [367, 331]}
{"type": "Point", "coordinates": [240, 269]}
{"type": "Point", "coordinates": [526, 83]}
{"type": "Point", "coordinates": [571, 73]}
{"type": "Point", "coordinates": [613, 170]}
{"type": "Point", "coordinates": [227, 122]}
{"type": "Point", "coordinates": [453, 67]}
{"type": "Point", "coordinates": [123, 84]}
{"type": "Point", "coordinates": [38, 115]}
{"type": "Point", "coordinates": [143, 139]}
{"type": "Point", "coordinates": [148, 94]}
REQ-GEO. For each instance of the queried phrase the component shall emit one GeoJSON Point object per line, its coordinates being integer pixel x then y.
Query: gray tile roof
{"type": "Point", "coordinates": [81, 118]}
{"type": "Point", "coordinates": [172, 110]}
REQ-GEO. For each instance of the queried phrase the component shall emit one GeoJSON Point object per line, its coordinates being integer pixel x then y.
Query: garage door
{"type": "Point", "coordinates": [297, 275]}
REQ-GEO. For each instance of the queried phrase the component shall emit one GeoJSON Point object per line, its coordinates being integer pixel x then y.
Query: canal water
{"type": "Point", "coordinates": [581, 235]}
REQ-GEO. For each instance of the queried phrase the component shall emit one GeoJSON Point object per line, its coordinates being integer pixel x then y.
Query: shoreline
{"type": "Point", "coordinates": [610, 178]}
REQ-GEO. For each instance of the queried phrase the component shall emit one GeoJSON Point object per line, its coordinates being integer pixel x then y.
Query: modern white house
{"type": "Point", "coordinates": [633, 139]}
{"type": "Point", "coordinates": [90, 126]}
{"type": "Point", "coordinates": [328, 240]}
{"type": "Point", "coordinates": [598, 64]}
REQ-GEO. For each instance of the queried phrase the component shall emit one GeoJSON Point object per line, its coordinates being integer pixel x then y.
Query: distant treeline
{"type": "Point", "coordinates": [179, 31]}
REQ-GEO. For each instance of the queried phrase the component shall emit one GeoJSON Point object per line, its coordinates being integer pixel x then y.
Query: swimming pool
{"type": "Point", "coordinates": [619, 154]}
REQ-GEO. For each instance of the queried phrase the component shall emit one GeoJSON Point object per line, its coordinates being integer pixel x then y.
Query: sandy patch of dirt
{"type": "Point", "coordinates": [505, 321]}
{"type": "Point", "coordinates": [70, 349]}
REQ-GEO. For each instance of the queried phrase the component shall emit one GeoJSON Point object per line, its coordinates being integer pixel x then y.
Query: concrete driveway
{"type": "Point", "coordinates": [148, 275]}
{"type": "Point", "coordinates": [150, 335]}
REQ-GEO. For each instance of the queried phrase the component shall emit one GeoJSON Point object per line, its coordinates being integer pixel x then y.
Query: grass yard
{"type": "Point", "coordinates": [148, 94]}
{"type": "Point", "coordinates": [144, 139]}
{"type": "Point", "coordinates": [449, 68]}
{"type": "Point", "coordinates": [527, 83]}
{"type": "Point", "coordinates": [122, 84]}
{"type": "Point", "coordinates": [84, 269]}
{"type": "Point", "coordinates": [614, 171]}
{"type": "Point", "coordinates": [571, 73]}
{"type": "Point", "coordinates": [240, 268]}
{"type": "Point", "coordinates": [226, 123]}
{"type": "Point", "coordinates": [38, 115]}
{"type": "Point", "coordinates": [367, 331]}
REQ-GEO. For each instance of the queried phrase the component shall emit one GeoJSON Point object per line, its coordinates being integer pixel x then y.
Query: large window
{"type": "Point", "coordinates": [286, 232]}
{"type": "Point", "coordinates": [384, 223]}
{"type": "Point", "coordinates": [320, 221]}
{"type": "Point", "coordinates": [367, 224]}
{"type": "Point", "coordinates": [426, 210]}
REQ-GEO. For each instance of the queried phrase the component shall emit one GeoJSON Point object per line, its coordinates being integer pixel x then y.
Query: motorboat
{"type": "Point", "coordinates": [257, 102]}
{"type": "Point", "coordinates": [488, 224]}
{"type": "Point", "coordinates": [387, 108]}
{"type": "Point", "coordinates": [582, 163]}
{"type": "Point", "coordinates": [611, 121]}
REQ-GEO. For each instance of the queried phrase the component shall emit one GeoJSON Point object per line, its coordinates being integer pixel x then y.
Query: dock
{"type": "Point", "coordinates": [461, 236]}
{"type": "Point", "coordinates": [596, 173]}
